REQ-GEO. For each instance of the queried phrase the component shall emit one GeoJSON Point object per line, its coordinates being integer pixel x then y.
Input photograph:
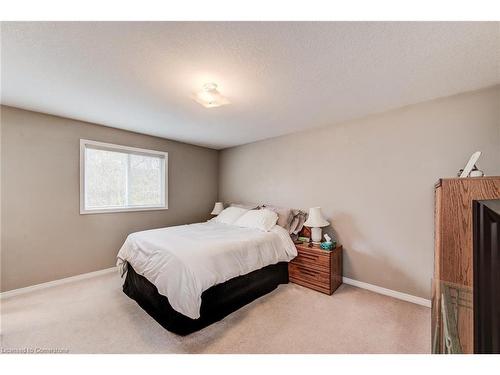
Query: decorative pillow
{"type": "Point", "coordinates": [298, 220]}
{"type": "Point", "coordinates": [230, 215]}
{"type": "Point", "coordinates": [248, 206]}
{"type": "Point", "coordinates": [259, 219]}
{"type": "Point", "coordinates": [285, 215]}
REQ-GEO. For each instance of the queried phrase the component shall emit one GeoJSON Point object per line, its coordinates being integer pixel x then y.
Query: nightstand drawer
{"type": "Point", "coordinates": [305, 273]}
{"type": "Point", "coordinates": [311, 260]}
{"type": "Point", "coordinates": [307, 284]}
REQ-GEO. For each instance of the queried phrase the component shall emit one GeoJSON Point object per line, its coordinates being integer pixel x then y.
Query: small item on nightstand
{"type": "Point", "coordinates": [304, 239]}
{"type": "Point", "coordinates": [328, 245]}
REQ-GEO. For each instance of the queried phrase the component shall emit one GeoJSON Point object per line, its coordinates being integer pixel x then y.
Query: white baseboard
{"type": "Point", "coordinates": [359, 284]}
{"type": "Point", "coordinates": [28, 289]}
{"type": "Point", "coordinates": [388, 292]}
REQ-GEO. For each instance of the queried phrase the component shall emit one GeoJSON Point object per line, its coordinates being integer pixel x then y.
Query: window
{"type": "Point", "coordinates": [117, 178]}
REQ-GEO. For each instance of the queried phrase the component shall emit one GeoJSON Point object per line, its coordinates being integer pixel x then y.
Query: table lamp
{"type": "Point", "coordinates": [219, 206]}
{"type": "Point", "coordinates": [315, 221]}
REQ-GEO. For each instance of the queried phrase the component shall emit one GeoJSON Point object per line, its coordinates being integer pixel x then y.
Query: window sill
{"type": "Point", "coordinates": [116, 210]}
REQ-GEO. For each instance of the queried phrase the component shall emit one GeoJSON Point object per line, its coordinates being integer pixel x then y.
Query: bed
{"type": "Point", "coordinates": [187, 277]}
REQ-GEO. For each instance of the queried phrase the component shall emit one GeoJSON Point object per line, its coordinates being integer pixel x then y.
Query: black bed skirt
{"type": "Point", "coordinates": [216, 302]}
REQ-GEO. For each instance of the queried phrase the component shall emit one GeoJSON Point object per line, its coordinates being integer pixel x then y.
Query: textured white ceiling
{"type": "Point", "coordinates": [280, 77]}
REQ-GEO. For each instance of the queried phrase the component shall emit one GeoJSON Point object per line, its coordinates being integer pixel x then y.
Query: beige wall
{"type": "Point", "coordinates": [43, 235]}
{"type": "Point", "coordinates": [374, 180]}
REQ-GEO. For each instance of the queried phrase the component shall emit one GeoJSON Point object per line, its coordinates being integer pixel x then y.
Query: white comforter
{"type": "Point", "coordinates": [184, 261]}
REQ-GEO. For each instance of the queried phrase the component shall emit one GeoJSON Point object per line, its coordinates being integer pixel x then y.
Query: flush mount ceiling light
{"type": "Point", "coordinates": [210, 97]}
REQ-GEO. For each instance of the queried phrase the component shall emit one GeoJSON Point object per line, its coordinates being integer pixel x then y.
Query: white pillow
{"type": "Point", "coordinates": [259, 219]}
{"type": "Point", "coordinates": [230, 215]}
{"type": "Point", "coordinates": [285, 215]}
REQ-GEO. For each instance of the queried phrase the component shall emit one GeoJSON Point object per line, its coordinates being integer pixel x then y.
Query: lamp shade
{"type": "Point", "coordinates": [315, 218]}
{"type": "Point", "coordinates": [217, 208]}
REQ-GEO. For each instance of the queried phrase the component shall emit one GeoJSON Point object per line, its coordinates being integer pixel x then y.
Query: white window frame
{"type": "Point", "coordinates": [129, 150]}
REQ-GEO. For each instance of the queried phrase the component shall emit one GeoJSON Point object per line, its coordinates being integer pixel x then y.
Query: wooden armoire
{"type": "Point", "coordinates": [452, 299]}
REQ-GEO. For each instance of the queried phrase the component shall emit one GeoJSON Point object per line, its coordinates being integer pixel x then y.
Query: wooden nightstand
{"type": "Point", "coordinates": [316, 268]}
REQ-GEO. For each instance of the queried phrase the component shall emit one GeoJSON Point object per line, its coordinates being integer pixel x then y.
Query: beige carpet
{"type": "Point", "coordinates": [94, 316]}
